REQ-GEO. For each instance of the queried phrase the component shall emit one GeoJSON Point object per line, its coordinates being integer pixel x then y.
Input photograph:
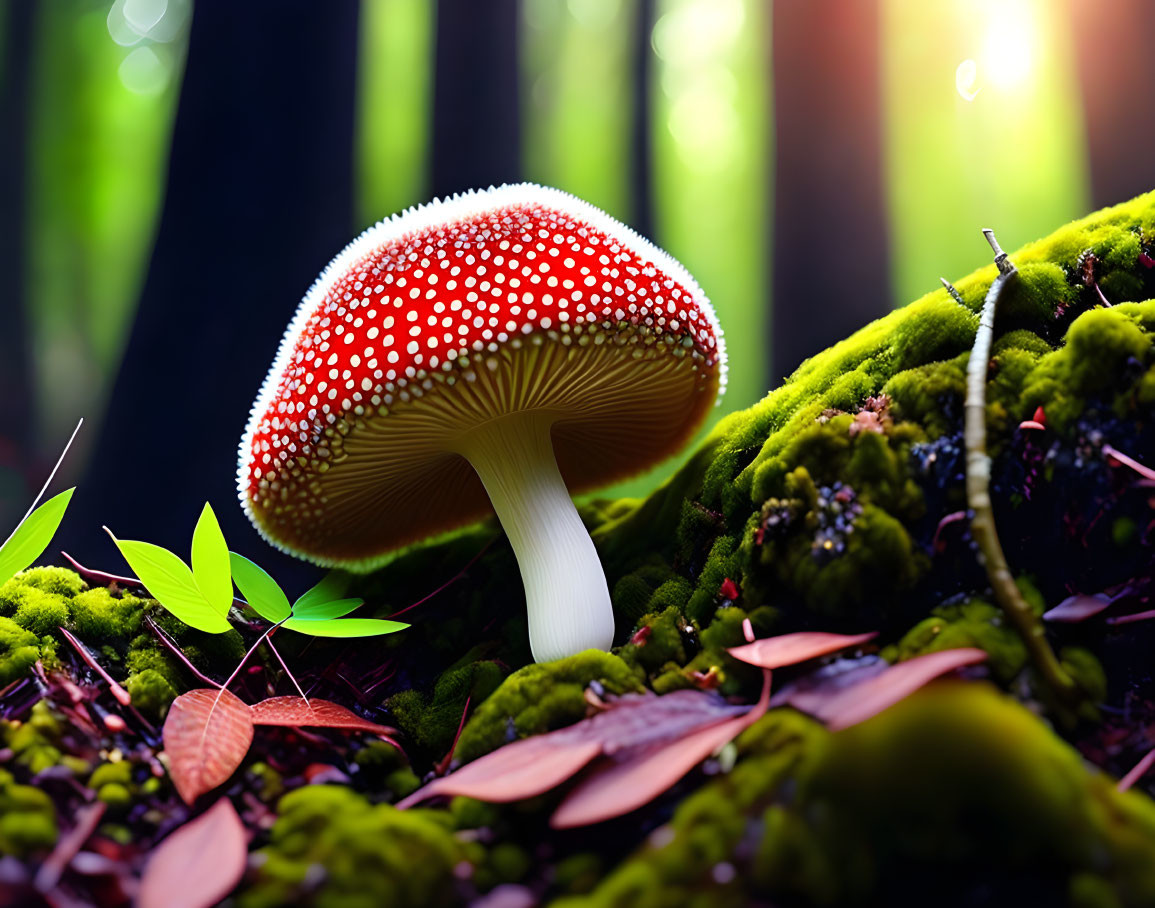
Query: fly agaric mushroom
{"type": "Point", "coordinates": [501, 348]}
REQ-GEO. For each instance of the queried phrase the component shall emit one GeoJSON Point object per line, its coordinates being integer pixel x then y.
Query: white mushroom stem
{"type": "Point", "coordinates": [565, 587]}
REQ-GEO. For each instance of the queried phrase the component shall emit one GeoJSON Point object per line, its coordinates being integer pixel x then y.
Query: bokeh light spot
{"type": "Point", "coordinates": [143, 72]}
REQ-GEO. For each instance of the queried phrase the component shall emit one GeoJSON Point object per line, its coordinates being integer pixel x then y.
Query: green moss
{"type": "Point", "coordinates": [265, 781]}
{"type": "Point", "coordinates": [432, 720]}
{"type": "Point", "coordinates": [98, 614]}
{"type": "Point", "coordinates": [151, 692]}
{"type": "Point", "coordinates": [368, 855]}
{"type": "Point", "coordinates": [58, 581]}
{"type": "Point", "coordinates": [119, 773]}
{"type": "Point", "coordinates": [662, 642]}
{"type": "Point", "coordinates": [963, 776]}
{"type": "Point", "coordinates": [34, 742]}
{"type": "Point", "coordinates": [19, 651]}
{"type": "Point", "coordinates": [1040, 289]}
{"type": "Point", "coordinates": [38, 611]}
{"type": "Point", "coordinates": [145, 655]}
{"type": "Point", "coordinates": [27, 818]}
{"type": "Point", "coordinates": [504, 863]}
{"type": "Point", "coordinates": [540, 698]}
{"type": "Point", "coordinates": [972, 623]}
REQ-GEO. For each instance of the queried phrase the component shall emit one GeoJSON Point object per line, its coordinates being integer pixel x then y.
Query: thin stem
{"type": "Point", "coordinates": [978, 478]}
{"type": "Point", "coordinates": [47, 482]}
{"type": "Point", "coordinates": [236, 671]}
{"type": "Point", "coordinates": [453, 579]}
{"type": "Point", "coordinates": [292, 677]}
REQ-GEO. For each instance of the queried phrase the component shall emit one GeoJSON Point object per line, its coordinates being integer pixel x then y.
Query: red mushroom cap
{"type": "Point", "coordinates": [455, 314]}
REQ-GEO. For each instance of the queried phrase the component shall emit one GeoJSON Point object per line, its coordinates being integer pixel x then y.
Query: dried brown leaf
{"type": "Point", "coordinates": [206, 736]}
{"type": "Point", "coordinates": [198, 864]}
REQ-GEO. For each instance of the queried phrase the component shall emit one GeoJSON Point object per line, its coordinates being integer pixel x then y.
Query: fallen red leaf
{"type": "Point", "coordinates": [613, 787]}
{"type": "Point", "coordinates": [807, 693]}
{"type": "Point", "coordinates": [790, 649]}
{"type": "Point", "coordinates": [1078, 608]}
{"type": "Point", "coordinates": [868, 699]}
{"type": "Point", "coordinates": [206, 736]}
{"type": "Point", "coordinates": [198, 864]}
{"type": "Point", "coordinates": [630, 725]}
{"type": "Point", "coordinates": [294, 711]}
{"type": "Point", "coordinates": [523, 769]}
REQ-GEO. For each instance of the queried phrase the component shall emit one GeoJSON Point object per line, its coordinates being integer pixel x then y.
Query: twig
{"type": "Point", "coordinates": [452, 579]}
{"type": "Point", "coordinates": [160, 635]}
{"type": "Point", "coordinates": [121, 695]}
{"type": "Point", "coordinates": [1128, 461]}
{"type": "Point", "coordinates": [87, 819]}
{"type": "Point", "coordinates": [951, 290]}
{"type": "Point", "coordinates": [978, 478]}
{"type": "Point", "coordinates": [1137, 772]}
{"type": "Point", "coordinates": [101, 577]}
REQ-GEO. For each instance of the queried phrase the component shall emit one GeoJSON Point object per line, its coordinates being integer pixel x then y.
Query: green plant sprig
{"type": "Point", "coordinates": [202, 596]}
{"type": "Point", "coordinates": [37, 527]}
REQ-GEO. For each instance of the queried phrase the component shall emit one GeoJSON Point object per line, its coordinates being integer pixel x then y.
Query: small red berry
{"type": "Point", "coordinates": [728, 590]}
{"type": "Point", "coordinates": [642, 635]}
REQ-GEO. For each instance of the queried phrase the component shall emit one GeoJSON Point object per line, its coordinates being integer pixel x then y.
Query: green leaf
{"type": "Point", "coordinates": [31, 537]}
{"type": "Point", "coordinates": [259, 589]}
{"type": "Point", "coordinates": [210, 562]}
{"type": "Point", "coordinates": [331, 586]}
{"type": "Point", "coordinates": [171, 583]}
{"type": "Point", "coordinates": [348, 627]}
{"type": "Point", "coordinates": [319, 611]}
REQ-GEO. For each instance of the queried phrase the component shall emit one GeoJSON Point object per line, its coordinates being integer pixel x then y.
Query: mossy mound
{"type": "Point", "coordinates": [957, 782]}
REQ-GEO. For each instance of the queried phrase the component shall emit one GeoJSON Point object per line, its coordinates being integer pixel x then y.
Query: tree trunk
{"type": "Point", "coordinates": [16, 430]}
{"type": "Point", "coordinates": [476, 101]}
{"type": "Point", "coordinates": [1112, 44]}
{"type": "Point", "coordinates": [831, 267]}
{"type": "Point", "coordinates": [642, 147]}
{"type": "Point", "coordinates": [259, 199]}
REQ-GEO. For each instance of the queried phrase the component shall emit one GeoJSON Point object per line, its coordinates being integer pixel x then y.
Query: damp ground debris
{"type": "Point", "coordinates": [836, 504]}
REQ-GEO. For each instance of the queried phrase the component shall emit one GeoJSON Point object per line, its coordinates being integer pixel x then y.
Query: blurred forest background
{"type": "Point", "coordinates": [174, 174]}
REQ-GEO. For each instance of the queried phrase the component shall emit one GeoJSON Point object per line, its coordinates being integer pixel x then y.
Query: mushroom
{"type": "Point", "coordinates": [502, 348]}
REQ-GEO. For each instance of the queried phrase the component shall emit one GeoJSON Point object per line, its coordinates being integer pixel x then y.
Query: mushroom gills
{"type": "Point", "coordinates": [567, 598]}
